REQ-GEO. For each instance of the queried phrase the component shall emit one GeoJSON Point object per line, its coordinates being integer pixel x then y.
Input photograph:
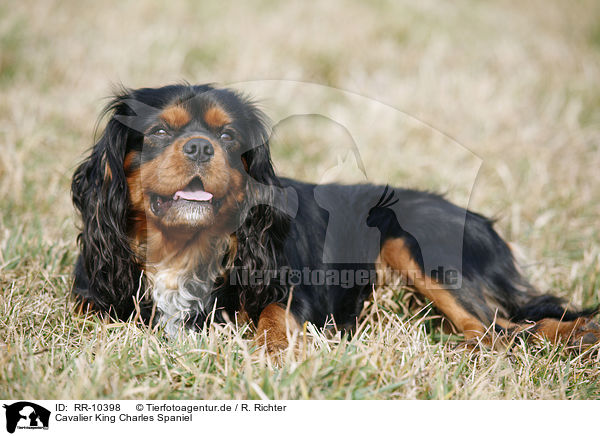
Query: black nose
{"type": "Point", "coordinates": [198, 149]}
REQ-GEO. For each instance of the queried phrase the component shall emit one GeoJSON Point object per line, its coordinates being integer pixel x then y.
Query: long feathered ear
{"type": "Point", "coordinates": [107, 272]}
{"type": "Point", "coordinates": [261, 236]}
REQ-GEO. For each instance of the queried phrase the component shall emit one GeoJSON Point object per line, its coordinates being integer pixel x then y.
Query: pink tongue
{"type": "Point", "coordinates": [193, 195]}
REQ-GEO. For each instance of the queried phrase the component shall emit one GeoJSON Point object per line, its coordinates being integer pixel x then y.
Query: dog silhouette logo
{"type": "Point", "coordinates": [26, 415]}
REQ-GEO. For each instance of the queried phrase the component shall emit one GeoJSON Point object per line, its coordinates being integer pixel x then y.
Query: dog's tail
{"type": "Point", "coordinates": [549, 306]}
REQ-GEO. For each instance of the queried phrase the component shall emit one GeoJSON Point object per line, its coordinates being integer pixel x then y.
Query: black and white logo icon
{"type": "Point", "coordinates": [26, 415]}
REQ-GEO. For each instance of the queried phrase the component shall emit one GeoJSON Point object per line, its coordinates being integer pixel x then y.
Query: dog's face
{"type": "Point", "coordinates": [187, 171]}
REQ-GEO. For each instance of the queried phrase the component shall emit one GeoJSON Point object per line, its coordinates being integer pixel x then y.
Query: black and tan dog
{"type": "Point", "coordinates": [184, 217]}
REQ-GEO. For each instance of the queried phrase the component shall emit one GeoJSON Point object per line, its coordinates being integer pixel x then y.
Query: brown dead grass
{"type": "Point", "coordinates": [496, 104]}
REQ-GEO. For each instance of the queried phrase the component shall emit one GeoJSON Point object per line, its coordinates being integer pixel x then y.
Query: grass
{"type": "Point", "coordinates": [494, 103]}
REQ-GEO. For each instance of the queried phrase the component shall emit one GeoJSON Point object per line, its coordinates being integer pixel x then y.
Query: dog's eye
{"type": "Point", "coordinates": [159, 132]}
{"type": "Point", "coordinates": [226, 136]}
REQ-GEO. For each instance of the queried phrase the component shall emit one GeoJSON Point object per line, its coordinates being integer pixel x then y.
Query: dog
{"type": "Point", "coordinates": [185, 222]}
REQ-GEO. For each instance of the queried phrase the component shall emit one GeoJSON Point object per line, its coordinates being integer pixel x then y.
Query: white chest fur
{"type": "Point", "coordinates": [178, 297]}
{"type": "Point", "coordinates": [183, 292]}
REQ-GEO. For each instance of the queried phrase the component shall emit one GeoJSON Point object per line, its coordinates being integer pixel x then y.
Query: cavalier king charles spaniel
{"type": "Point", "coordinates": [185, 222]}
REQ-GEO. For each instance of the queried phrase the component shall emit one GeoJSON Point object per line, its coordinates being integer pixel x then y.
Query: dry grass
{"type": "Point", "coordinates": [513, 86]}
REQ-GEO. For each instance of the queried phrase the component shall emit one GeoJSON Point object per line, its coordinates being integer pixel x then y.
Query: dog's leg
{"type": "Point", "coordinates": [581, 331]}
{"type": "Point", "coordinates": [395, 254]}
{"type": "Point", "coordinates": [275, 324]}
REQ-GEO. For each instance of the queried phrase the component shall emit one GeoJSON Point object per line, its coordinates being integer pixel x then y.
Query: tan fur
{"type": "Point", "coordinates": [107, 173]}
{"type": "Point", "coordinates": [216, 117]}
{"type": "Point", "coordinates": [274, 326]}
{"type": "Point", "coordinates": [579, 331]}
{"type": "Point", "coordinates": [176, 116]}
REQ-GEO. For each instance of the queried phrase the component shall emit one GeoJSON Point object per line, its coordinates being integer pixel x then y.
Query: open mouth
{"type": "Point", "coordinates": [192, 196]}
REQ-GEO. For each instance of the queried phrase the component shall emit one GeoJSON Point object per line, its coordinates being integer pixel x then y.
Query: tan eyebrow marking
{"type": "Point", "coordinates": [175, 116]}
{"type": "Point", "coordinates": [216, 117]}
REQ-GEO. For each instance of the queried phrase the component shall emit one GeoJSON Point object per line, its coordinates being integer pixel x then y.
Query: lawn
{"type": "Point", "coordinates": [495, 104]}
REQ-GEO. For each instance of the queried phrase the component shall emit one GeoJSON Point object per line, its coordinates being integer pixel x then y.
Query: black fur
{"type": "Point", "coordinates": [107, 272]}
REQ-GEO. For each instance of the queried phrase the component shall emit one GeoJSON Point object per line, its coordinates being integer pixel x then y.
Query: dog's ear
{"type": "Point", "coordinates": [107, 274]}
{"type": "Point", "coordinates": [258, 156]}
{"type": "Point", "coordinates": [261, 235]}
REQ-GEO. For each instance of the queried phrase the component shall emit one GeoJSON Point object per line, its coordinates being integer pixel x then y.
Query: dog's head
{"type": "Point", "coordinates": [170, 172]}
{"type": "Point", "coordinates": [186, 167]}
